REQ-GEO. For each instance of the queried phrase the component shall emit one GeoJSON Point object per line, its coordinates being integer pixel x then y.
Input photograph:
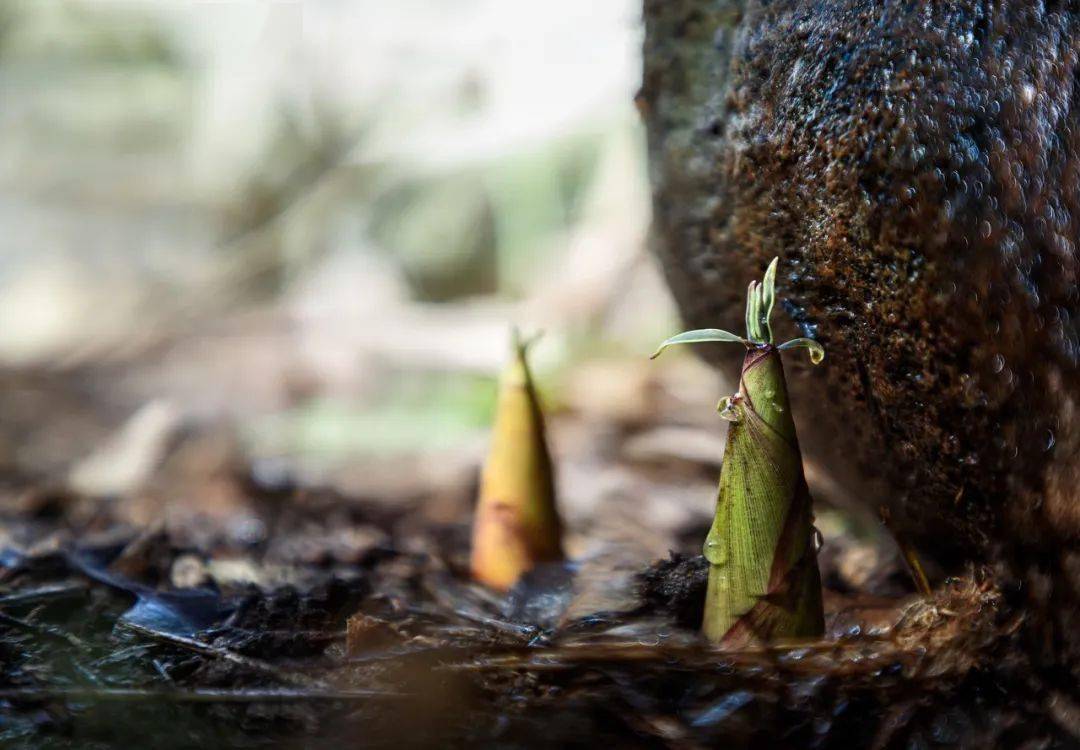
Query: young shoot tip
{"type": "Point", "coordinates": [760, 300]}
{"type": "Point", "coordinates": [522, 343]}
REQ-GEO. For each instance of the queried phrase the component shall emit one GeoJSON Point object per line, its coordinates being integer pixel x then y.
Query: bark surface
{"type": "Point", "coordinates": [916, 166]}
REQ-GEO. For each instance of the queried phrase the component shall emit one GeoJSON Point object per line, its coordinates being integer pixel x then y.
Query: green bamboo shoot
{"type": "Point", "coordinates": [764, 583]}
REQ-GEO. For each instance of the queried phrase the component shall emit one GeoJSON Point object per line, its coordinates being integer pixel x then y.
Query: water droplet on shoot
{"type": "Point", "coordinates": [714, 551]}
{"type": "Point", "coordinates": [729, 409]}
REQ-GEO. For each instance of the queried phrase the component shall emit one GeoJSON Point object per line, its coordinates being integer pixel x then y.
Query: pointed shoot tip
{"type": "Point", "coordinates": [522, 343]}
{"type": "Point", "coordinates": [768, 298]}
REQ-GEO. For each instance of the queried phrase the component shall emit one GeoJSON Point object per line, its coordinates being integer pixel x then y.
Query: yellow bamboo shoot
{"type": "Point", "coordinates": [517, 523]}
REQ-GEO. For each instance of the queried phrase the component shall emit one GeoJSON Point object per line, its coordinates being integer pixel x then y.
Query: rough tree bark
{"type": "Point", "coordinates": [916, 166]}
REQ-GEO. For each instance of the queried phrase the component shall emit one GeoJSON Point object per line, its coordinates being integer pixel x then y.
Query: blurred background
{"type": "Point", "coordinates": [283, 243]}
{"type": "Point", "coordinates": [308, 227]}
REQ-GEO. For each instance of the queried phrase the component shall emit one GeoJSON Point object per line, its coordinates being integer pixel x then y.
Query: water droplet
{"type": "Point", "coordinates": [729, 409]}
{"type": "Point", "coordinates": [714, 551]}
{"type": "Point", "coordinates": [998, 363]}
{"type": "Point", "coordinates": [985, 229]}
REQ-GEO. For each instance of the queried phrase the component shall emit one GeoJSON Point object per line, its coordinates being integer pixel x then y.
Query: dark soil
{"type": "Point", "coordinates": [115, 639]}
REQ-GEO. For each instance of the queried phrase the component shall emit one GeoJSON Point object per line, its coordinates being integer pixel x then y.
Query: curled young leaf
{"type": "Point", "coordinates": [763, 332]}
{"type": "Point", "coordinates": [768, 298]}
{"type": "Point", "coordinates": [753, 328]}
{"type": "Point", "coordinates": [817, 351]}
{"type": "Point", "coordinates": [701, 336]}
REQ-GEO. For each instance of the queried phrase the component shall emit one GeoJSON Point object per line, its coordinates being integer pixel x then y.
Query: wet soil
{"type": "Point", "coordinates": [111, 637]}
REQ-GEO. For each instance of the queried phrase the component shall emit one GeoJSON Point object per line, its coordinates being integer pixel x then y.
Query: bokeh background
{"type": "Point", "coordinates": [283, 243]}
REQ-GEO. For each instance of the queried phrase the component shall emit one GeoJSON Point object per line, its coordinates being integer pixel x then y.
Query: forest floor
{"type": "Point", "coordinates": [231, 602]}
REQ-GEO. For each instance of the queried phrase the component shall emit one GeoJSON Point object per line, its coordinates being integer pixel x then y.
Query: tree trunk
{"type": "Point", "coordinates": [916, 166]}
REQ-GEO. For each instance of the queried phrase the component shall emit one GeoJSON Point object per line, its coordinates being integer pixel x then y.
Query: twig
{"type": "Point", "coordinates": [46, 630]}
{"type": "Point", "coordinates": [160, 668]}
{"type": "Point", "coordinates": [671, 657]}
{"type": "Point", "coordinates": [490, 622]}
{"type": "Point", "coordinates": [501, 625]}
{"type": "Point", "coordinates": [907, 551]}
{"type": "Point", "coordinates": [207, 649]}
{"type": "Point", "coordinates": [56, 591]}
